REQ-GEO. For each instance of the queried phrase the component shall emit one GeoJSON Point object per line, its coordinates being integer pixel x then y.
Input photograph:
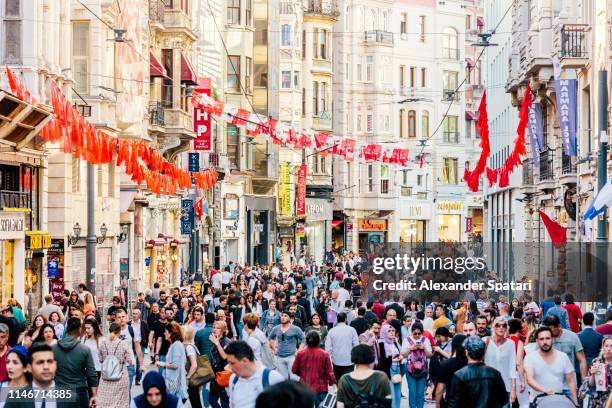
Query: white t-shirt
{"type": "Point", "coordinates": [226, 277]}
{"type": "Point", "coordinates": [93, 347]}
{"type": "Point", "coordinates": [244, 392]}
{"type": "Point", "coordinates": [255, 341]}
{"type": "Point", "coordinates": [197, 326]}
{"type": "Point", "coordinates": [428, 325]}
{"type": "Point", "coordinates": [216, 281]}
{"type": "Point", "coordinates": [549, 375]}
{"type": "Point", "coordinates": [125, 335]}
{"type": "Point", "coordinates": [503, 359]}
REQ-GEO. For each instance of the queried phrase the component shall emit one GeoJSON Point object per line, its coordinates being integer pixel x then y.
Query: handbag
{"type": "Point", "coordinates": [203, 373]}
{"type": "Point", "coordinates": [222, 378]}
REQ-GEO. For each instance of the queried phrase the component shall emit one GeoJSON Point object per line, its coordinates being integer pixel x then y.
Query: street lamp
{"type": "Point", "coordinates": [72, 240]}
{"type": "Point", "coordinates": [124, 233]}
{"type": "Point", "coordinates": [103, 231]}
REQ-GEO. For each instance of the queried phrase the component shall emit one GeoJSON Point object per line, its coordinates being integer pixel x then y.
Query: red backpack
{"type": "Point", "coordinates": [417, 359]}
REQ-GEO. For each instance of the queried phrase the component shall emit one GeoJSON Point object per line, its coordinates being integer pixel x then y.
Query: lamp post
{"type": "Point", "coordinates": [90, 262]}
{"type": "Point", "coordinates": [602, 176]}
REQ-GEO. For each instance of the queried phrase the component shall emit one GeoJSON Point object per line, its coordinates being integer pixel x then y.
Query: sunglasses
{"type": "Point", "coordinates": [502, 325]}
{"type": "Point", "coordinates": [417, 333]}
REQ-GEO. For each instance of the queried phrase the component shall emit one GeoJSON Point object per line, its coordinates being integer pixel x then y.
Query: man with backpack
{"type": "Point", "coordinates": [249, 379]}
{"type": "Point", "coordinates": [363, 387]}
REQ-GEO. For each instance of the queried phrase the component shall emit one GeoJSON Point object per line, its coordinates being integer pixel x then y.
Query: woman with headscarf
{"type": "Point", "coordinates": [154, 394]}
{"type": "Point", "coordinates": [390, 361]}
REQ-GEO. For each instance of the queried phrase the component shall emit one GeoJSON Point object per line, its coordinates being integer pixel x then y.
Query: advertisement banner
{"type": "Point", "coordinates": [55, 268]}
{"type": "Point", "coordinates": [202, 127]}
{"type": "Point", "coordinates": [187, 216]}
{"type": "Point", "coordinates": [300, 200]}
{"type": "Point", "coordinates": [285, 190]}
{"type": "Point", "coordinates": [194, 162]}
{"type": "Point", "coordinates": [566, 109]}
{"type": "Point", "coordinates": [468, 224]}
{"type": "Point", "coordinates": [536, 132]}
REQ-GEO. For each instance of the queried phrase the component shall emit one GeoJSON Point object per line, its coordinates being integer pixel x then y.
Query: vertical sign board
{"type": "Point", "coordinates": [194, 162]}
{"type": "Point", "coordinates": [468, 224]}
{"type": "Point", "coordinates": [202, 127]}
{"type": "Point", "coordinates": [300, 200]}
{"type": "Point", "coordinates": [285, 190]}
{"type": "Point", "coordinates": [55, 268]}
{"type": "Point", "coordinates": [187, 216]}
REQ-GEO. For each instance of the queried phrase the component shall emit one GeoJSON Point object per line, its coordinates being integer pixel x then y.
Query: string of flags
{"type": "Point", "coordinates": [81, 138]}
{"type": "Point", "coordinates": [297, 137]}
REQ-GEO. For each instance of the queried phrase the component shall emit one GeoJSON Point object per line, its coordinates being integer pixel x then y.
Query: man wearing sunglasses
{"type": "Point", "coordinates": [501, 355]}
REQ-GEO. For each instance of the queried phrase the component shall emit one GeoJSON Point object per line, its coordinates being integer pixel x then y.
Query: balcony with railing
{"type": "Point", "coordinates": [322, 8]}
{"type": "Point", "coordinates": [574, 50]}
{"type": "Point", "coordinates": [375, 37]}
{"type": "Point", "coordinates": [322, 121]}
{"type": "Point", "coordinates": [568, 170]}
{"type": "Point", "coordinates": [547, 172]}
{"type": "Point", "coordinates": [14, 199]}
{"type": "Point", "coordinates": [156, 114]}
{"type": "Point", "coordinates": [450, 137]}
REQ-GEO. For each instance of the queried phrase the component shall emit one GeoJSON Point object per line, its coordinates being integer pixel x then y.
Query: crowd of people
{"type": "Point", "coordinates": [305, 336]}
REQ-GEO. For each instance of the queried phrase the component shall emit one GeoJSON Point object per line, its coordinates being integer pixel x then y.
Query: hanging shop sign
{"type": "Point", "coordinates": [300, 199]}
{"type": "Point", "coordinates": [300, 230]}
{"type": "Point", "coordinates": [566, 109]}
{"type": "Point", "coordinates": [37, 240]}
{"type": "Point", "coordinates": [285, 190]}
{"type": "Point", "coordinates": [202, 126]}
{"type": "Point", "coordinates": [468, 224]}
{"type": "Point", "coordinates": [55, 268]}
{"type": "Point", "coordinates": [187, 216]}
{"type": "Point", "coordinates": [372, 225]}
{"type": "Point", "coordinates": [194, 161]}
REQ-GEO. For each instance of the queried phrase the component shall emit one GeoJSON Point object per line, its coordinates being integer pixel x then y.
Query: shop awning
{"type": "Point", "coordinates": [470, 115]}
{"type": "Point", "coordinates": [156, 69]}
{"type": "Point", "coordinates": [480, 21]}
{"type": "Point", "coordinates": [188, 74]}
{"type": "Point", "coordinates": [470, 62]}
{"type": "Point", "coordinates": [125, 200]}
{"type": "Point", "coordinates": [158, 242]}
{"type": "Point", "coordinates": [161, 235]}
{"type": "Point", "coordinates": [179, 241]}
{"type": "Point", "coordinates": [336, 223]}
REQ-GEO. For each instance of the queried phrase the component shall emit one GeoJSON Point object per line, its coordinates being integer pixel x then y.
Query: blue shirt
{"type": "Point", "coordinates": [591, 342]}
{"type": "Point", "coordinates": [547, 304]}
{"type": "Point", "coordinates": [561, 313]}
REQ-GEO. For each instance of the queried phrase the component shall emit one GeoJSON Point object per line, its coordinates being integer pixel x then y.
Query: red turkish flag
{"type": "Point", "coordinates": [558, 233]}
{"type": "Point", "coordinates": [198, 208]}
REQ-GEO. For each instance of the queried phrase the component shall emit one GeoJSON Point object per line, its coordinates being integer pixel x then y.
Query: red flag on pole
{"type": "Point", "coordinates": [198, 208]}
{"type": "Point", "coordinates": [558, 233]}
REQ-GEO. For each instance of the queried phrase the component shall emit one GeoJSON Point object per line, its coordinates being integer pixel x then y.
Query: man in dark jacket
{"type": "Point", "coordinates": [360, 324]}
{"type": "Point", "coordinates": [202, 337]}
{"type": "Point", "coordinates": [477, 385]}
{"type": "Point", "coordinates": [75, 366]}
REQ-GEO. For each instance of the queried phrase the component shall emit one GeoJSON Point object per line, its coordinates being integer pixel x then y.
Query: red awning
{"type": "Point", "coordinates": [179, 241]}
{"type": "Point", "coordinates": [164, 236]}
{"type": "Point", "coordinates": [469, 115]}
{"type": "Point", "coordinates": [336, 223]}
{"type": "Point", "coordinates": [188, 74]}
{"type": "Point", "coordinates": [156, 69]}
{"type": "Point", "coordinates": [158, 242]}
{"type": "Point", "coordinates": [470, 62]}
{"type": "Point", "coordinates": [480, 21]}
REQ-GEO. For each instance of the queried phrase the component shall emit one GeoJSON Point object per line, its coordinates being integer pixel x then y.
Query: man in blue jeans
{"type": "Point", "coordinates": [128, 334]}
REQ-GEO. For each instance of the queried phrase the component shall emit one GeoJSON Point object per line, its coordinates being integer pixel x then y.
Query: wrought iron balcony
{"type": "Point", "coordinates": [156, 114]}
{"type": "Point", "coordinates": [156, 11]}
{"type": "Point", "coordinates": [14, 199]}
{"type": "Point", "coordinates": [327, 8]}
{"type": "Point", "coordinates": [574, 41]}
{"type": "Point", "coordinates": [546, 165]}
{"type": "Point", "coordinates": [568, 166]}
{"type": "Point", "coordinates": [379, 36]}
{"type": "Point", "coordinates": [527, 172]}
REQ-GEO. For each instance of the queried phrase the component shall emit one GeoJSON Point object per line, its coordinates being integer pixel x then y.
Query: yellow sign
{"type": "Point", "coordinates": [372, 225]}
{"type": "Point", "coordinates": [449, 205]}
{"type": "Point", "coordinates": [38, 239]}
{"type": "Point", "coordinates": [284, 196]}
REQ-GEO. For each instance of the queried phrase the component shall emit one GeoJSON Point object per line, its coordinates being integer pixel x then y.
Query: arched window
{"type": "Point", "coordinates": [424, 124]}
{"type": "Point", "coordinates": [450, 43]}
{"type": "Point", "coordinates": [286, 35]}
{"type": "Point", "coordinates": [370, 20]}
{"type": "Point", "coordinates": [411, 123]}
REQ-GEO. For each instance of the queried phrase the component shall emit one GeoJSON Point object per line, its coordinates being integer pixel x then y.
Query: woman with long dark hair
{"type": "Point", "coordinates": [316, 324]}
{"type": "Point", "coordinates": [91, 338]}
{"type": "Point", "coordinates": [47, 335]}
{"type": "Point", "coordinates": [35, 331]}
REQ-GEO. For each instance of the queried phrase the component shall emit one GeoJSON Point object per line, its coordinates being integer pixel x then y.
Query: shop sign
{"type": "Point", "coordinates": [416, 211]}
{"type": "Point", "coordinates": [202, 127]}
{"type": "Point", "coordinates": [194, 162]}
{"type": "Point", "coordinates": [11, 225]}
{"type": "Point", "coordinates": [468, 224]}
{"type": "Point", "coordinates": [318, 209]}
{"type": "Point", "coordinates": [300, 199]}
{"type": "Point", "coordinates": [449, 205]}
{"type": "Point", "coordinates": [474, 201]}
{"type": "Point", "coordinates": [372, 225]}
{"type": "Point", "coordinates": [349, 227]}
{"type": "Point", "coordinates": [55, 268]}
{"type": "Point", "coordinates": [38, 240]}
{"type": "Point", "coordinates": [187, 216]}
{"type": "Point", "coordinates": [300, 230]}
{"type": "Point", "coordinates": [285, 190]}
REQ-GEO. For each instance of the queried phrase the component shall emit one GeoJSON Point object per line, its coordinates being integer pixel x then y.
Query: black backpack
{"type": "Point", "coordinates": [369, 400]}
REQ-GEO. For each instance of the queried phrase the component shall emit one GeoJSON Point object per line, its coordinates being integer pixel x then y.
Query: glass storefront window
{"type": "Point", "coordinates": [449, 227]}
{"type": "Point", "coordinates": [412, 231]}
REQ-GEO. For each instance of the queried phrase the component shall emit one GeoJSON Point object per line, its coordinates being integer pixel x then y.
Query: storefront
{"type": "Point", "coordinates": [157, 262]}
{"type": "Point", "coordinates": [372, 231]}
{"type": "Point", "coordinates": [449, 220]}
{"type": "Point", "coordinates": [36, 243]}
{"type": "Point", "coordinates": [319, 215]}
{"type": "Point", "coordinates": [12, 256]}
{"type": "Point", "coordinates": [414, 221]}
{"type": "Point", "coordinates": [260, 230]}
{"type": "Point", "coordinates": [474, 222]}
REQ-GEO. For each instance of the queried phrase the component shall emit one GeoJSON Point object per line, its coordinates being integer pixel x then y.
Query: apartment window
{"type": "Point", "coordinates": [359, 72]}
{"type": "Point", "coordinates": [233, 11]}
{"type": "Point", "coordinates": [261, 75]}
{"type": "Point", "coordinates": [248, 12]}
{"type": "Point", "coordinates": [450, 43]}
{"type": "Point", "coordinates": [449, 171]}
{"type": "Point", "coordinates": [76, 175]}
{"type": "Point", "coordinates": [315, 43]}
{"type": "Point", "coordinates": [248, 73]}
{"type": "Point", "coordinates": [384, 179]}
{"type": "Point", "coordinates": [303, 44]}
{"type": "Point", "coordinates": [402, 126]}
{"type": "Point", "coordinates": [419, 180]}
{"type": "Point", "coordinates": [423, 77]}
{"type": "Point", "coordinates": [404, 177]}
{"type": "Point", "coordinates": [411, 123]}
{"type": "Point", "coordinates": [412, 69]}
{"type": "Point", "coordinates": [111, 179]}
{"type": "Point", "coordinates": [303, 102]}
{"type": "Point", "coordinates": [233, 73]}
{"type": "Point", "coordinates": [402, 74]}
{"type": "Point", "coordinates": [468, 21]}
{"type": "Point", "coordinates": [404, 24]}
{"type": "Point", "coordinates": [370, 178]}
{"type": "Point", "coordinates": [286, 79]}
{"type": "Point", "coordinates": [347, 71]}
{"type": "Point", "coordinates": [323, 104]}
{"type": "Point", "coordinates": [233, 147]}
{"type": "Point", "coordinates": [425, 124]}
{"type": "Point", "coordinates": [296, 79]}
{"type": "Point", "coordinates": [167, 61]}
{"type": "Point", "coordinates": [422, 28]}
{"type": "Point", "coordinates": [323, 44]}
{"type": "Point", "coordinates": [468, 129]}
{"type": "Point", "coordinates": [450, 129]}
{"type": "Point", "coordinates": [286, 35]}
{"type": "Point", "coordinates": [80, 55]}
{"type": "Point", "coordinates": [449, 83]}
{"type": "Point", "coordinates": [369, 123]}
{"type": "Point", "coordinates": [359, 123]}
{"type": "Point", "coordinates": [369, 68]}
{"type": "Point", "coordinates": [315, 98]}
{"type": "Point", "coordinates": [12, 33]}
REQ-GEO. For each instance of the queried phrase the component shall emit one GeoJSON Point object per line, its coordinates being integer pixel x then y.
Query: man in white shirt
{"type": "Point", "coordinates": [339, 343]}
{"type": "Point", "coordinates": [43, 367]}
{"type": "Point", "coordinates": [501, 355]}
{"type": "Point", "coordinates": [249, 378]}
{"type": "Point", "coordinates": [216, 281]}
{"type": "Point", "coordinates": [49, 308]}
{"type": "Point", "coordinates": [343, 294]}
{"type": "Point", "coordinates": [226, 277]}
{"type": "Point", "coordinates": [548, 370]}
